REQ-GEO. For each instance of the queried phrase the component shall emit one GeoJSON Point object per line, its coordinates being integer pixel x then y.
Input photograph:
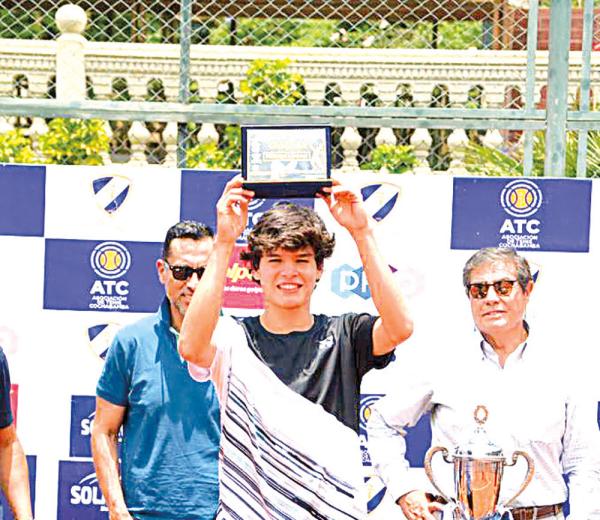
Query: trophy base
{"type": "Point", "coordinates": [286, 190]}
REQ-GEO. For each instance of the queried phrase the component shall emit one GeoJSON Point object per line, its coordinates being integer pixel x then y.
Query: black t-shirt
{"type": "Point", "coordinates": [326, 363]}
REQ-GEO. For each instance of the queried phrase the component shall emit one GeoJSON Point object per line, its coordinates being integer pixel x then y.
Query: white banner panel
{"type": "Point", "coordinates": [61, 301]}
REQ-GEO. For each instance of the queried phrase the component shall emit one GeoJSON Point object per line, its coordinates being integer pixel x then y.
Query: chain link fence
{"type": "Point", "coordinates": [335, 26]}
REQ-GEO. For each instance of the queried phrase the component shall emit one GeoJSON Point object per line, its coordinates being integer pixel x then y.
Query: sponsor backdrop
{"type": "Point", "coordinates": [79, 246]}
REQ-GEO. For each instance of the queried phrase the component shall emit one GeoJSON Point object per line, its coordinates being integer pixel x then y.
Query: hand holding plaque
{"type": "Point", "coordinates": [285, 161]}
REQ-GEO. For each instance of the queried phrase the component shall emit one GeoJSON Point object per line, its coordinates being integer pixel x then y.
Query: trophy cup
{"type": "Point", "coordinates": [478, 469]}
{"type": "Point", "coordinates": [286, 161]}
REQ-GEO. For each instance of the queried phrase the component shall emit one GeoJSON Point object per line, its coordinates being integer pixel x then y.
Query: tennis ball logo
{"type": "Point", "coordinates": [110, 260]}
{"type": "Point", "coordinates": [521, 198]}
{"type": "Point", "coordinates": [364, 412]}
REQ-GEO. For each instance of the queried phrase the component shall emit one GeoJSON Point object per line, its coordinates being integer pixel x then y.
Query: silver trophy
{"type": "Point", "coordinates": [478, 468]}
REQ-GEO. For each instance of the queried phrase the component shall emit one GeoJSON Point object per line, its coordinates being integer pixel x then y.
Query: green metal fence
{"type": "Point", "coordinates": [547, 122]}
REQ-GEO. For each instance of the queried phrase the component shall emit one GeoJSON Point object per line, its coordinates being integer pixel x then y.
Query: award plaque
{"type": "Point", "coordinates": [286, 161]}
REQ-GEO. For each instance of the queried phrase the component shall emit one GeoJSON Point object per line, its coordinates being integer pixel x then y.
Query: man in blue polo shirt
{"type": "Point", "coordinates": [170, 422]}
{"type": "Point", "coordinates": [14, 476]}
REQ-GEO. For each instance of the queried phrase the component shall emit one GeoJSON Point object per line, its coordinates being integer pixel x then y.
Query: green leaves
{"type": "Point", "coordinates": [394, 158]}
{"type": "Point", "coordinates": [482, 160]}
{"type": "Point", "coordinates": [74, 141]}
{"type": "Point", "coordinates": [223, 156]}
{"type": "Point", "coordinates": [269, 82]}
{"type": "Point", "coordinates": [15, 147]}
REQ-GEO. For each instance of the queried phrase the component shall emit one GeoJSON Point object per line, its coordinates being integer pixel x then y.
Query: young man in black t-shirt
{"type": "Point", "coordinates": [321, 358]}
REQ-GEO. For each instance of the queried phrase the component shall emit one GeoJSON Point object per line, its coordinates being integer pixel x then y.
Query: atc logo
{"type": "Point", "coordinates": [110, 260]}
{"type": "Point", "coordinates": [521, 198]}
{"type": "Point", "coordinates": [79, 494]}
{"type": "Point", "coordinates": [101, 276]}
{"type": "Point", "coordinates": [380, 199]}
{"type": "Point", "coordinates": [524, 214]}
{"type": "Point", "coordinates": [110, 192]}
{"type": "Point", "coordinates": [364, 412]}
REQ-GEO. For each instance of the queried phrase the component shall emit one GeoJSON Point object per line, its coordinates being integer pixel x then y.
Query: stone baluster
{"type": "Point", "coordinates": [457, 142]}
{"type": "Point", "coordinates": [493, 139]}
{"type": "Point", "coordinates": [38, 128]}
{"type": "Point", "coordinates": [208, 134]}
{"type": "Point", "coordinates": [5, 125]}
{"type": "Point", "coordinates": [106, 158]}
{"type": "Point", "coordinates": [170, 139]}
{"type": "Point", "coordinates": [350, 142]}
{"type": "Point", "coordinates": [139, 137]}
{"type": "Point", "coordinates": [385, 136]}
{"type": "Point", "coordinates": [421, 142]}
{"type": "Point", "coordinates": [70, 53]}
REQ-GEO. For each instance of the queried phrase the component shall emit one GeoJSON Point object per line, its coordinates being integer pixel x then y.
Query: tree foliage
{"type": "Point", "coordinates": [15, 147]}
{"type": "Point", "coordinates": [74, 141]}
{"type": "Point", "coordinates": [393, 158]}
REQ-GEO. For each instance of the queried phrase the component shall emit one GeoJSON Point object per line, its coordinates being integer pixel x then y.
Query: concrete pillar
{"type": "Point", "coordinates": [70, 53]}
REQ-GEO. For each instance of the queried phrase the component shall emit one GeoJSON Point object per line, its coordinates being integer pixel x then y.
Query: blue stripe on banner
{"type": "Point", "coordinates": [22, 200]}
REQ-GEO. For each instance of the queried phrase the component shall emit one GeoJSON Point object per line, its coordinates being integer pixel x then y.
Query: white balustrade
{"type": "Point", "coordinates": [139, 137]}
{"type": "Point", "coordinates": [350, 141]}
{"type": "Point", "coordinates": [106, 159]}
{"type": "Point", "coordinates": [208, 134]}
{"type": "Point", "coordinates": [421, 142]}
{"type": "Point", "coordinates": [493, 139]}
{"type": "Point", "coordinates": [170, 138]}
{"type": "Point", "coordinates": [385, 136]}
{"type": "Point", "coordinates": [457, 142]}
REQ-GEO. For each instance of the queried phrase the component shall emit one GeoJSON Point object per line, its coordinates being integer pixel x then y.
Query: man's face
{"type": "Point", "coordinates": [182, 252]}
{"type": "Point", "coordinates": [495, 313]}
{"type": "Point", "coordinates": [288, 277]}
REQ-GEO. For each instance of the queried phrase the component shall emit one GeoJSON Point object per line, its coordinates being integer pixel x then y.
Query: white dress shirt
{"type": "Point", "coordinates": [533, 405]}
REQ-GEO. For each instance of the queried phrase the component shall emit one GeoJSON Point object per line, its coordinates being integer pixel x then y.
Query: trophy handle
{"type": "Point", "coordinates": [427, 465]}
{"type": "Point", "coordinates": [529, 476]}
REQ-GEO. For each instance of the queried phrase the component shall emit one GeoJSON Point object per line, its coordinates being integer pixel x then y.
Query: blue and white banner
{"type": "Point", "coordinates": [79, 247]}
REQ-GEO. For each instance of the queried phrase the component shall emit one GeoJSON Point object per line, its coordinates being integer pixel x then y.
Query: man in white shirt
{"type": "Point", "coordinates": [517, 375]}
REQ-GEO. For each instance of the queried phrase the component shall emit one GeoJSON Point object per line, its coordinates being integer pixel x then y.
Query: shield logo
{"type": "Point", "coordinates": [380, 199]}
{"type": "Point", "coordinates": [110, 192]}
{"type": "Point", "coordinates": [100, 337]}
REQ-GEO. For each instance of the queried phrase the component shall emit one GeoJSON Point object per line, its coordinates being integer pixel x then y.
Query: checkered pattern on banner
{"type": "Point", "coordinates": [79, 246]}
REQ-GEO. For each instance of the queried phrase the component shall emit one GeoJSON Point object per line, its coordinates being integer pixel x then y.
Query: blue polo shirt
{"type": "Point", "coordinates": [171, 426]}
{"type": "Point", "coordinates": [6, 417]}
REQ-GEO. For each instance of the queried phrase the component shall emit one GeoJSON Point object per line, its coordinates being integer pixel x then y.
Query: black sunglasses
{"type": "Point", "coordinates": [478, 291]}
{"type": "Point", "coordinates": [184, 272]}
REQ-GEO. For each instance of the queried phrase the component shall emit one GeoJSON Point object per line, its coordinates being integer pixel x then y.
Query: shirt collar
{"type": "Point", "coordinates": [488, 352]}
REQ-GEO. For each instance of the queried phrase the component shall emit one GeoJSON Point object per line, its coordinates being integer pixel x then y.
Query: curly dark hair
{"type": "Point", "coordinates": [289, 226]}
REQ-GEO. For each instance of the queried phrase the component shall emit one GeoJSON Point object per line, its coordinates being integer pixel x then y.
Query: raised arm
{"type": "Point", "coordinates": [200, 321]}
{"type": "Point", "coordinates": [394, 324]}
{"type": "Point", "coordinates": [14, 474]}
